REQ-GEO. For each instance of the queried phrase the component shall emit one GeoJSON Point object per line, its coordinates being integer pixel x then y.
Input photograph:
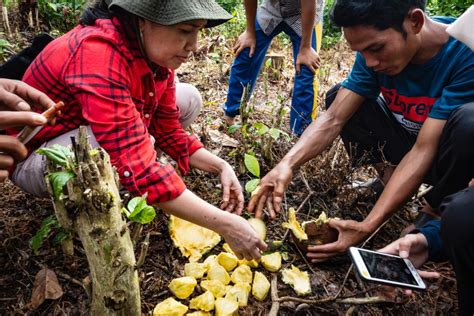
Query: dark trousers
{"type": "Point", "coordinates": [374, 135]}
{"type": "Point", "coordinates": [457, 232]}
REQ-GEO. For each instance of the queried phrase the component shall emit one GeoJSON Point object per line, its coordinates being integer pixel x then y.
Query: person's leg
{"type": "Point", "coordinates": [245, 70]}
{"type": "Point", "coordinates": [29, 174]}
{"type": "Point", "coordinates": [305, 90]}
{"type": "Point", "coordinates": [189, 102]}
{"type": "Point", "coordinates": [373, 135]}
{"type": "Point", "coordinates": [453, 166]}
{"type": "Point", "coordinates": [458, 235]}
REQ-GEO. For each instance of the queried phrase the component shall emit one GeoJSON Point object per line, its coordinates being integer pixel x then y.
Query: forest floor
{"type": "Point", "coordinates": [323, 184]}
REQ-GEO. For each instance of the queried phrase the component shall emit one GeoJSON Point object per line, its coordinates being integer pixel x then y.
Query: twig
{"type": "Point", "coordinates": [305, 260]}
{"type": "Point", "coordinates": [365, 300]}
{"type": "Point", "coordinates": [274, 294]}
{"type": "Point", "coordinates": [143, 251]}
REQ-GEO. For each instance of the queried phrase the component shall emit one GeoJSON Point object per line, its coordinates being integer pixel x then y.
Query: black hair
{"type": "Point", "coordinates": [380, 14]}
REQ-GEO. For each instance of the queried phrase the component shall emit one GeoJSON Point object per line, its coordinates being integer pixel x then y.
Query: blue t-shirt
{"type": "Point", "coordinates": [433, 89]}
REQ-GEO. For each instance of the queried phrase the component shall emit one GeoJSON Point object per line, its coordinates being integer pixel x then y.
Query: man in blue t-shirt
{"type": "Point", "coordinates": [409, 100]}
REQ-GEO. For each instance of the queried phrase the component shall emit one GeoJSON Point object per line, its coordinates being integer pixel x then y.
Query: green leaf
{"type": "Point", "coordinates": [139, 211]}
{"type": "Point", "coordinates": [59, 180]}
{"type": "Point", "coordinates": [57, 154]}
{"type": "Point", "coordinates": [233, 128]}
{"type": "Point", "coordinates": [60, 237]}
{"type": "Point", "coordinates": [268, 62]}
{"type": "Point", "coordinates": [145, 216]}
{"type": "Point", "coordinates": [274, 133]}
{"type": "Point", "coordinates": [43, 232]}
{"type": "Point", "coordinates": [261, 128]}
{"type": "Point", "coordinates": [252, 165]}
{"type": "Point", "coordinates": [252, 185]}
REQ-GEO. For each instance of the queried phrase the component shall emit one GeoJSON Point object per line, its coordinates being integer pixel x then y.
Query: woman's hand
{"type": "Point", "coordinates": [232, 196]}
{"type": "Point", "coordinates": [242, 238]}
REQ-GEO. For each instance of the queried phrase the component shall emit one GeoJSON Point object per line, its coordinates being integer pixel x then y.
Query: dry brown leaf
{"type": "Point", "coordinates": [222, 139]}
{"type": "Point", "coordinates": [46, 287]}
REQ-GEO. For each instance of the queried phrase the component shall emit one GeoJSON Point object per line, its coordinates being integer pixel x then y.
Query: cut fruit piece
{"type": "Point", "coordinates": [217, 272]}
{"type": "Point", "coordinates": [259, 226]}
{"type": "Point", "coordinates": [217, 288]}
{"type": "Point", "coordinates": [260, 286]}
{"type": "Point", "coordinates": [319, 232]}
{"type": "Point", "coordinates": [294, 225]}
{"type": "Point", "coordinates": [226, 307]}
{"type": "Point", "coordinates": [203, 302]}
{"type": "Point", "coordinates": [271, 262]}
{"type": "Point", "coordinates": [298, 280]}
{"type": "Point", "coordinates": [195, 270]}
{"type": "Point", "coordinates": [209, 261]}
{"type": "Point", "coordinates": [170, 307]}
{"type": "Point", "coordinates": [227, 248]}
{"type": "Point", "coordinates": [251, 263]}
{"type": "Point", "coordinates": [242, 274]}
{"type": "Point", "coordinates": [182, 287]}
{"type": "Point", "coordinates": [192, 240]}
{"type": "Point", "coordinates": [239, 293]}
{"type": "Point", "coordinates": [227, 260]}
{"type": "Point", "coordinates": [199, 313]}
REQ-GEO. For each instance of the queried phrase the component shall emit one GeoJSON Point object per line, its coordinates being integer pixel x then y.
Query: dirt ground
{"type": "Point", "coordinates": [321, 185]}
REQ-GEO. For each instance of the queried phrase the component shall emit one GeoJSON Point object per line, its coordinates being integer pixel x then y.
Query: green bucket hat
{"type": "Point", "coordinates": [169, 12]}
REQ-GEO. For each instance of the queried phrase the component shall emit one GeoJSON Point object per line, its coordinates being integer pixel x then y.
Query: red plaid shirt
{"type": "Point", "coordinates": [106, 83]}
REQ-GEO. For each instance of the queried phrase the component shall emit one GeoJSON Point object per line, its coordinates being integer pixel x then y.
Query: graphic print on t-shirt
{"type": "Point", "coordinates": [410, 111]}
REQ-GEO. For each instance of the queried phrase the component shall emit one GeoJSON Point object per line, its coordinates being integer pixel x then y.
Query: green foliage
{"type": "Point", "coordinates": [61, 15]}
{"type": "Point", "coordinates": [6, 48]}
{"type": "Point", "coordinates": [229, 5]}
{"type": "Point", "coordinates": [139, 211]}
{"type": "Point", "coordinates": [331, 33]}
{"type": "Point", "coordinates": [452, 8]}
{"type": "Point", "coordinates": [58, 181]}
{"type": "Point", "coordinates": [58, 154]}
{"type": "Point", "coordinates": [49, 226]}
{"type": "Point", "coordinates": [251, 185]}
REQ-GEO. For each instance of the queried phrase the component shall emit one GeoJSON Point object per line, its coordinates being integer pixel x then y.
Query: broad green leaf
{"type": "Point", "coordinates": [57, 154]}
{"type": "Point", "coordinates": [268, 62]}
{"type": "Point", "coordinates": [252, 185]}
{"type": "Point", "coordinates": [252, 165]}
{"type": "Point", "coordinates": [60, 237]}
{"type": "Point", "coordinates": [132, 204]}
{"type": "Point", "coordinates": [43, 232]}
{"type": "Point", "coordinates": [145, 216]}
{"type": "Point", "coordinates": [58, 181]}
{"type": "Point", "coordinates": [138, 208]}
{"type": "Point", "coordinates": [274, 133]}
{"type": "Point", "coordinates": [261, 128]}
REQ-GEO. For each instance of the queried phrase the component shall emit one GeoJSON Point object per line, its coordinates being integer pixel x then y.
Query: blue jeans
{"type": "Point", "coordinates": [245, 70]}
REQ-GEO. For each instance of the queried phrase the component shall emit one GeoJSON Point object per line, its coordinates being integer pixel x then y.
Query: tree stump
{"type": "Point", "coordinates": [91, 207]}
{"type": "Point", "coordinates": [274, 66]}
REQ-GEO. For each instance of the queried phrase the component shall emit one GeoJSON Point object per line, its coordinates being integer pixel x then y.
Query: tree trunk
{"type": "Point", "coordinates": [92, 209]}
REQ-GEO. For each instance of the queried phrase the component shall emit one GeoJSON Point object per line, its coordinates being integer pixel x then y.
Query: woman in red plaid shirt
{"type": "Point", "coordinates": [115, 74]}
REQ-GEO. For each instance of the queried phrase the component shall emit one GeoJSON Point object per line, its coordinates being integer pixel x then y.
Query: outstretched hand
{"type": "Point", "coordinates": [232, 196]}
{"type": "Point", "coordinates": [270, 191]}
{"type": "Point", "coordinates": [350, 233]}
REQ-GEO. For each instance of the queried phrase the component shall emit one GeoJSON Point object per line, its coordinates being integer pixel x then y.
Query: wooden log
{"type": "Point", "coordinates": [91, 207]}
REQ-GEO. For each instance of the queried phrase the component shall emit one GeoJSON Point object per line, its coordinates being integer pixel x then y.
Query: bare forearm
{"type": "Point", "coordinates": [190, 207]}
{"type": "Point", "coordinates": [308, 14]}
{"type": "Point", "coordinates": [202, 159]}
{"type": "Point", "coordinates": [250, 13]}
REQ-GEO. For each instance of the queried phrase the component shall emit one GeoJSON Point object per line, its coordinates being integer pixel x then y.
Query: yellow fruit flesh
{"type": "Point", "coordinates": [226, 307]}
{"type": "Point", "coordinates": [242, 274]}
{"type": "Point", "coordinates": [239, 293]}
{"type": "Point", "coordinates": [192, 240]}
{"type": "Point", "coordinates": [217, 288]}
{"type": "Point", "coordinates": [182, 287]}
{"type": "Point", "coordinates": [227, 260]}
{"type": "Point", "coordinates": [271, 262]}
{"type": "Point", "coordinates": [260, 286]}
{"type": "Point", "coordinates": [203, 302]}
{"type": "Point", "coordinates": [170, 307]}
{"type": "Point", "coordinates": [298, 280]}
{"type": "Point", "coordinates": [294, 225]}
{"type": "Point", "coordinates": [259, 226]}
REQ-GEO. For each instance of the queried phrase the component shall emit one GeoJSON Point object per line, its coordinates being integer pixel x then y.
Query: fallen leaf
{"type": "Point", "coordinates": [222, 139]}
{"type": "Point", "coordinates": [46, 287]}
